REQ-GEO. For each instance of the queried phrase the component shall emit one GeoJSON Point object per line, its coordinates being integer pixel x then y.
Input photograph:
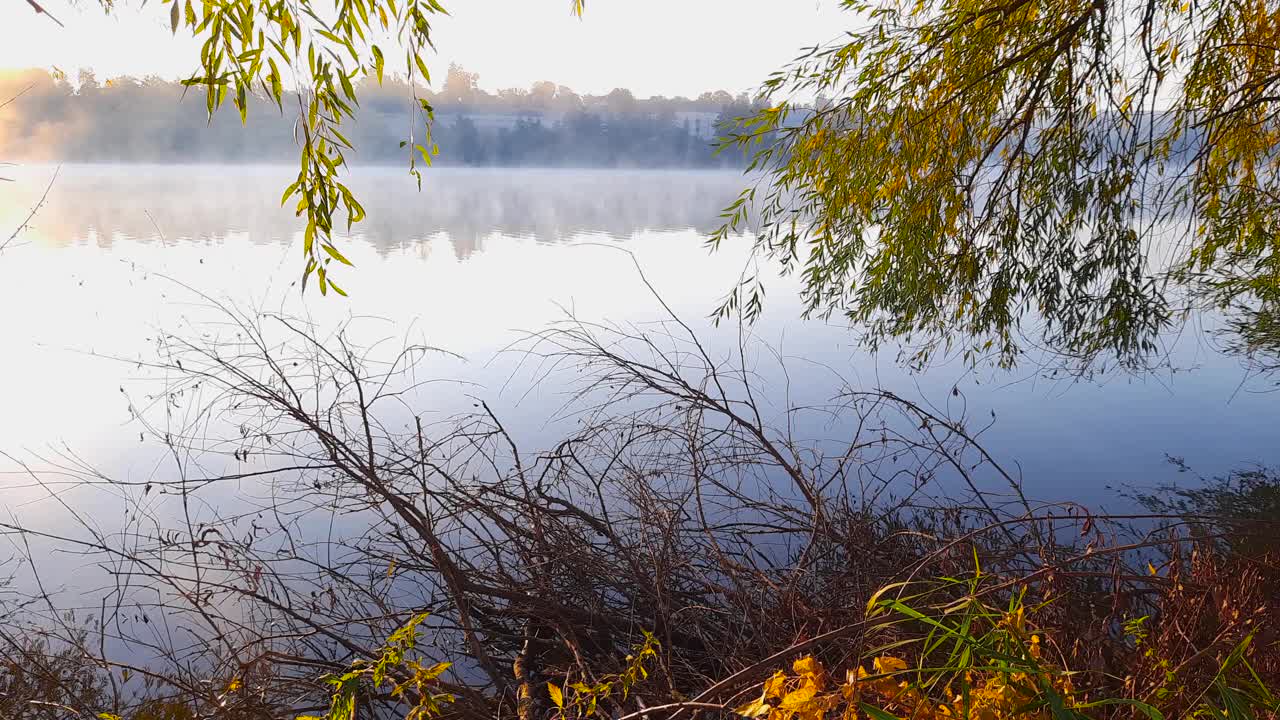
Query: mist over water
{"type": "Point", "coordinates": [104, 204]}
{"type": "Point", "coordinates": [121, 254]}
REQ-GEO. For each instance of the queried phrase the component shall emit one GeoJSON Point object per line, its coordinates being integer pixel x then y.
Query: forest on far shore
{"type": "Point", "coordinates": [154, 120]}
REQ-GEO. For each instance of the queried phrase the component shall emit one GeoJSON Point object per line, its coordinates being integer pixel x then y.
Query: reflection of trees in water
{"type": "Point", "coordinates": [1243, 504]}
{"type": "Point", "coordinates": [147, 203]}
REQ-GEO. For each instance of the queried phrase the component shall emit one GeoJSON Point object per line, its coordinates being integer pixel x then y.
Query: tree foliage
{"type": "Point", "coordinates": [407, 680]}
{"type": "Point", "coordinates": [320, 51]}
{"type": "Point", "coordinates": [984, 162]}
{"type": "Point", "coordinates": [249, 45]}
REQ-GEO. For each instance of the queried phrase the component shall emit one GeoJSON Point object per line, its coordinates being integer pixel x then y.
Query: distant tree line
{"type": "Point", "coordinates": [156, 120]}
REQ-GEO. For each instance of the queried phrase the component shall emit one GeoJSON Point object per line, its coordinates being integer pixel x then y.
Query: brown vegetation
{"type": "Point", "coordinates": [684, 504]}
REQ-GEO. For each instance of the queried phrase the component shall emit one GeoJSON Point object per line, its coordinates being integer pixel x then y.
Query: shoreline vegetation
{"type": "Point", "coordinates": [316, 547]}
{"type": "Point", "coordinates": [152, 120]}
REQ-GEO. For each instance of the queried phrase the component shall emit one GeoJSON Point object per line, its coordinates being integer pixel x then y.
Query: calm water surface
{"type": "Point", "coordinates": [118, 254]}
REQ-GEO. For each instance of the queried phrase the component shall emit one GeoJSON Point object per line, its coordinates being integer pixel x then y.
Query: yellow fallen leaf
{"type": "Point", "coordinates": [798, 698]}
{"type": "Point", "coordinates": [557, 696]}
{"type": "Point", "coordinates": [886, 664]}
{"type": "Point", "coordinates": [775, 686]}
{"type": "Point", "coordinates": [755, 709]}
{"type": "Point", "coordinates": [807, 665]}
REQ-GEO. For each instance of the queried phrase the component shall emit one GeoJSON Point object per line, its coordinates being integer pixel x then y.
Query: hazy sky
{"type": "Point", "coordinates": [667, 47]}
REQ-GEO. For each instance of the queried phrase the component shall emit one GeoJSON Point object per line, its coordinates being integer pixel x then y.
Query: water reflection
{"type": "Point", "coordinates": [151, 203]}
{"type": "Point", "coordinates": [474, 259]}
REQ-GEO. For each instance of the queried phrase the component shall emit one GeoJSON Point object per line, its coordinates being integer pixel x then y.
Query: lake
{"type": "Point", "coordinates": [470, 263]}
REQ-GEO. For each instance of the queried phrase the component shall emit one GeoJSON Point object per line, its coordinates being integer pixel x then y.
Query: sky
{"type": "Point", "coordinates": [652, 47]}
